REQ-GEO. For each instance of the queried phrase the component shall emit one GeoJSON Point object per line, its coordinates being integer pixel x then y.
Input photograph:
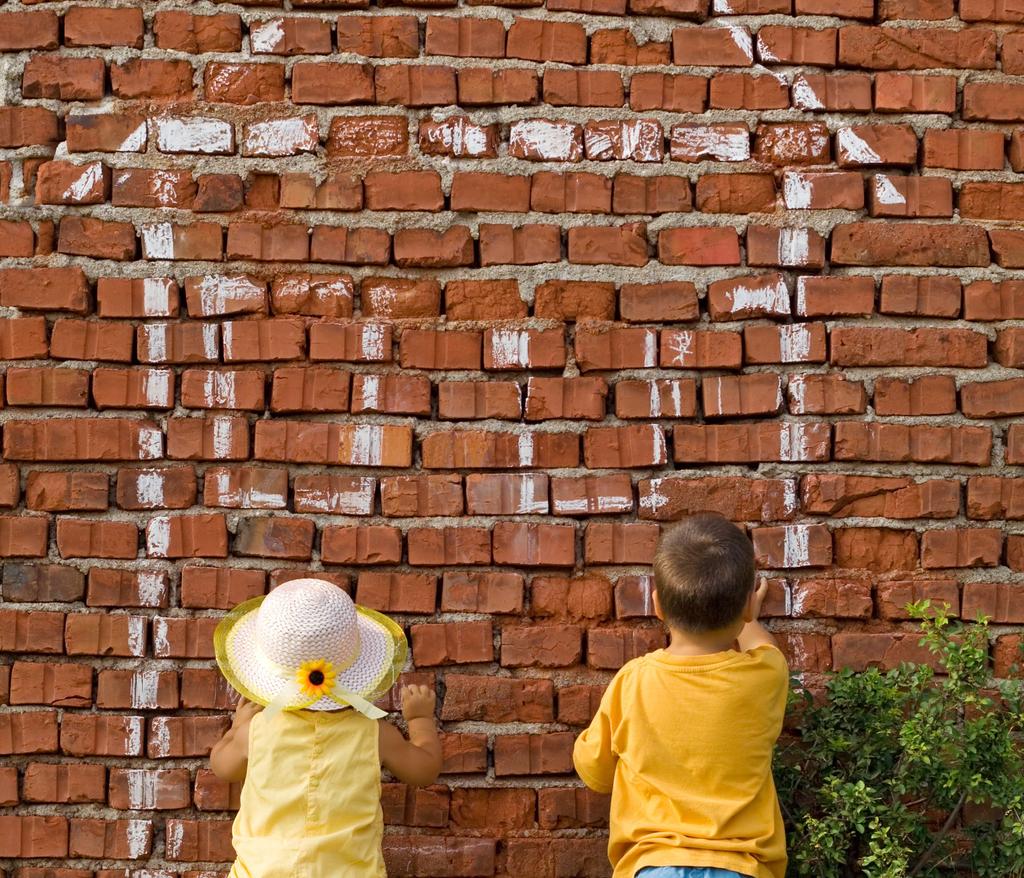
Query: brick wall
{"type": "Point", "coordinates": [457, 306]}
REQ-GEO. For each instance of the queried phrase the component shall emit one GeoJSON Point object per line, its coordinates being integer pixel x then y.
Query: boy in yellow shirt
{"type": "Point", "coordinates": [683, 738]}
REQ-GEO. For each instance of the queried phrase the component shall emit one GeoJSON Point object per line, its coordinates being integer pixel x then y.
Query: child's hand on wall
{"type": "Point", "coordinates": [244, 712]}
{"type": "Point", "coordinates": [418, 702]}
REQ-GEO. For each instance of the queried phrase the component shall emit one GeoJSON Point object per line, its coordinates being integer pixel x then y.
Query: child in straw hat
{"type": "Point", "coordinates": [311, 757]}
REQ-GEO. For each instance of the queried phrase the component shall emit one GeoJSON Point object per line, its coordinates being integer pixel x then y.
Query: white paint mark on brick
{"type": "Point", "coordinates": [355, 502]}
{"type": "Point", "coordinates": [141, 789]}
{"type": "Point", "coordinates": [150, 488]}
{"type": "Point", "coordinates": [228, 329]}
{"type": "Point", "coordinates": [134, 141]}
{"type": "Point", "coordinates": [196, 134]}
{"type": "Point", "coordinates": [553, 141]}
{"type": "Point", "coordinates": [801, 296]}
{"type": "Point", "coordinates": [156, 297]}
{"type": "Point", "coordinates": [794, 343]}
{"type": "Point", "coordinates": [133, 735]}
{"type": "Point", "coordinates": [81, 187]}
{"type": "Point", "coordinates": [528, 501]}
{"type": "Point", "coordinates": [676, 391]}
{"type": "Point", "coordinates": [158, 241]}
{"type": "Point", "coordinates": [773, 299]}
{"type": "Point", "coordinates": [797, 601]}
{"type": "Point", "coordinates": [382, 297]}
{"type": "Point", "coordinates": [137, 635]}
{"type": "Point", "coordinates": [855, 148]}
{"type": "Point", "coordinates": [225, 495]}
{"type": "Point", "coordinates": [144, 690]}
{"type": "Point", "coordinates": [371, 391]}
{"type": "Point", "coordinates": [797, 190]}
{"type": "Point", "coordinates": [614, 503]}
{"type": "Point", "coordinates": [794, 442]}
{"type": "Point", "coordinates": [526, 449]}
{"type": "Point", "coordinates": [460, 137]}
{"type": "Point", "coordinates": [510, 348]}
{"type": "Point", "coordinates": [210, 339]}
{"type": "Point", "coordinates": [659, 448]}
{"type": "Point", "coordinates": [156, 341]}
{"type": "Point", "coordinates": [372, 341]}
{"type": "Point", "coordinates": [161, 643]}
{"type": "Point", "coordinates": [788, 590]}
{"type": "Point", "coordinates": [790, 498]}
{"type": "Point", "coordinates": [163, 187]}
{"type": "Point", "coordinates": [653, 499]}
{"type": "Point", "coordinates": [723, 146]}
{"type": "Point", "coordinates": [367, 445]}
{"type": "Point", "coordinates": [151, 443]}
{"type": "Point", "coordinates": [764, 53]}
{"type": "Point", "coordinates": [217, 292]}
{"type": "Point", "coordinates": [681, 344]}
{"type": "Point", "coordinates": [641, 140]}
{"type": "Point", "coordinates": [794, 246]}
{"type": "Point", "coordinates": [175, 829]}
{"type": "Point", "coordinates": [266, 36]}
{"type": "Point", "coordinates": [219, 389]}
{"type": "Point", "coordinates": [221, 429]}
{"type": "Point", "coordinates": [158, 537]}
{"type": "Point", "coordinates": [886, 191]}
{"type": "Point", "coordinates": [722, 7]}
{"type": "Point", "coordinates": [137, 833]}
{"type": "Point", "coordinates": [254, 498]}
{"type": "Point", "coordinates": [655, 399]}
{"type": "Point", "coordinates": [796, 550]}
{"type": "Point", "coordinates": [282, 137]}
{"type": "Point", "coordinates": [798, 394]}
{"type": "Point", "coordinates": [151, 588]}
{"type": "Point", "coordinates": [156, 386]}
{"type": "Point", "coordinates": [650, 348]}
{"type": "Point", "coordinates": [741, 37]}
{"type": "Point", "coordinates": [570, 507]}
{"type": "Point", "coordinates": [804, 96]}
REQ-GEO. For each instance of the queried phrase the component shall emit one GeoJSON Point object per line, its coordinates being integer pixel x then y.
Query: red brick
{"type": "Point", "coordinates": [65, 784]}
{"type": "Point", "coordinates": [610, 648]}
{"type": "Point", "coordinates": [461, 643]}
{"type": "Point", "coordinates": [494, 593]}
{"type": "Point", "coordinates": [586, 598]}
{"type": "Point", "coordinates": [33, 836]}
{"type": "Point", "coordinates": [971, 446]}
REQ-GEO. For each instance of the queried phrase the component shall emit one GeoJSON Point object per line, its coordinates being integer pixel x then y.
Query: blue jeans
{"type": "Point", "coordinates": [686, 872]}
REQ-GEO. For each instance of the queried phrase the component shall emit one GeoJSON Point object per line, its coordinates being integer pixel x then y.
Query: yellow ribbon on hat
{"type": "Point", "coordinates": [293, 688]}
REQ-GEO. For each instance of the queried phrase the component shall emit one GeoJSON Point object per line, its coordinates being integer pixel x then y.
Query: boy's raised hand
{"type": "Point", "coordinates": [760, 593]}
{"type": "Point", "coordinates": [418, 702]}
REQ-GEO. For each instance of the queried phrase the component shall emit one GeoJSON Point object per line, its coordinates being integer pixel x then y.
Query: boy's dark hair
{"type": "Point", "coordinates": [704, 572]}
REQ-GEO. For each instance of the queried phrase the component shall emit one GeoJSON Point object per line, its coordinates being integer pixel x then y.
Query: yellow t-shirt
{"type": "Point", "coordinates": [684, 745]}
{"type": "Point", "coordinates": [310, 804]}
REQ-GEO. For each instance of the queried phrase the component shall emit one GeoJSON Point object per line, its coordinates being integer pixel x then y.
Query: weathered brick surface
{"type": "Point", "coordinates": [457, 305]}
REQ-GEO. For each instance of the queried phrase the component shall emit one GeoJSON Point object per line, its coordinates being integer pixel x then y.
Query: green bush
{"type": "Point", "coordinates": [879, 777]}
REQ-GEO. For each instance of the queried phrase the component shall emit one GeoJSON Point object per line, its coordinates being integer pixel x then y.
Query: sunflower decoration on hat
{"type": "Point", "coordinates": [307, 646]}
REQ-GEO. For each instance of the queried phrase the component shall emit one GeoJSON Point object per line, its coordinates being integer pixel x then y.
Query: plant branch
{"type": "Point", "coordinates": [942, 833]}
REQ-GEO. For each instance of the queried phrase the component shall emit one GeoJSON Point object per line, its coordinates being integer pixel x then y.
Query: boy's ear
{"type": "Point", "coordinates": [657, 604]}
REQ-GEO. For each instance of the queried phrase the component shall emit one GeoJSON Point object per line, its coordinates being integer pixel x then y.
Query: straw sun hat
{"type": "Point", "coordinates": [307, 646]}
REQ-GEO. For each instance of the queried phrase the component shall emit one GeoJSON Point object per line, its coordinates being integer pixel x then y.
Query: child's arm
{"type": "Point", "coordinates": [418, 760]}
{"type": "Point", "coordinates": [230, 755]}
{"type": "Point", "coordinates": [592, 754]}
{"type": "Point", "coordinates": [754, 634]}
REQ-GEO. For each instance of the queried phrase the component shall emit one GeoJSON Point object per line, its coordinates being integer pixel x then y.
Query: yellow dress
{"type": "Point", "coordinates": [310, 805]}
